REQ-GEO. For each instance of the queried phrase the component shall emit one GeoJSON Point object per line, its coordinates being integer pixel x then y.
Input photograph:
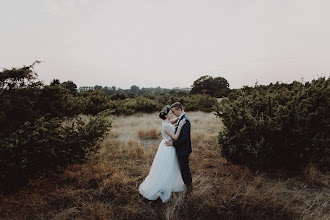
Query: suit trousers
{"type": "Point", "coordinates": [185, 170]}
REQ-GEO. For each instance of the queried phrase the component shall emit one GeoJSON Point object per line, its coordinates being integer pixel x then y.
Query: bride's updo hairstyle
{"type": "Point", "coordinates": [164, 112]}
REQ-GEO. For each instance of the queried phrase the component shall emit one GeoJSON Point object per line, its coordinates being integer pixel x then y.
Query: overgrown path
{"type": "Point", "coordinates": [106, 187]}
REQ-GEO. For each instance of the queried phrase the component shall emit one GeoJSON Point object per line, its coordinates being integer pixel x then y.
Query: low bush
{"type": "Point", "coordinates": [59, 101]}
{"type": "Point", "coordinates": [280, 125]}
{"type": "Point", "coordinates": [198, 102]}
{"type": "Point", "coordinates": [46, 144]}
{"type": "Point", "coordinates": [96, 101]}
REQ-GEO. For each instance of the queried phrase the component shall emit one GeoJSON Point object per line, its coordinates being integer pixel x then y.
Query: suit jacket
{"type": "Point", "coordinates": [183, 143]}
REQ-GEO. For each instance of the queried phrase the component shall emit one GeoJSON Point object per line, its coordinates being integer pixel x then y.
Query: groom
{"type": "Point", "coordinates": [182, 145]}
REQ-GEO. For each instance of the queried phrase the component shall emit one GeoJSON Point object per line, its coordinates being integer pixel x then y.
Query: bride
{"type": "Point", "coordinates": [164, 175]}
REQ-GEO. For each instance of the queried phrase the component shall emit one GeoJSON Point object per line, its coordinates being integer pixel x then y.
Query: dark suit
{"type": "Point", "coordinates": [183, 149]}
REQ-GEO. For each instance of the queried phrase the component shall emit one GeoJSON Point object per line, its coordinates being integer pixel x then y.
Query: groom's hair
{"type": "Point", "coordinates": [177, 105]}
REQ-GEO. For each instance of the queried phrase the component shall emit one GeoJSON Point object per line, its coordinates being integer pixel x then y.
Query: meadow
{"type": "Point", "coordinates": [106, 187]}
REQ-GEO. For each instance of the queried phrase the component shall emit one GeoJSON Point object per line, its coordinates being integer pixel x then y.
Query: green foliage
{"type": "Point", "coordinates": [19, 91]}
{"type": "Point", "coordinates": [145, 100]}
{"type": "Point", "coordinates": [60, 101]}
{"type": "Point", "coordinates": [123, 105]}
{"type": "Point", "coordinates": [216, 87]}
{"type": "Point", "coordinates": [198, 102]}
{"type": "Point", "coordinates": [69, 85]}
{"type": "Point", "coordinates": [18, 78]}
{"type": "Point", "coordinates": [48, 143]}
{"type": "Point", "coordinates": [280, 125]}
{"type": "Point", "coordinates": [144, 104]}
{"type": "Point", "coordinates": [130, 106]}
{"type": "Point", "coordinates": [97, 101]}
{"type": "Point", "coordinates": [134, 90]}
{"type": "Point", "coordinates": [33, 137]}
{"type": "Point", "coordinates": [119, 96]}
{"type": "Point", "coordinates": [33, 134]}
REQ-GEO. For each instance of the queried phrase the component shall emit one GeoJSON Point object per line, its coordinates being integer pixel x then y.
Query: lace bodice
{"type": "Point", "coordinates": [164, 134]}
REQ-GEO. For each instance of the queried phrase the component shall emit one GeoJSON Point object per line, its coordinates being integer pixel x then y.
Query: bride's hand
{"type": "Point", "coordinates": [182, 122]}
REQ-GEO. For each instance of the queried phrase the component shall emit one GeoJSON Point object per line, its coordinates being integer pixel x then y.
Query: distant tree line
{"type": "Point", "coordinates": [207, 85]}
{"type": "Point", "coordinates": [134, 90]}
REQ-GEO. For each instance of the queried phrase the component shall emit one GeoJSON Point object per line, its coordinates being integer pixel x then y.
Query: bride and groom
{"type": "Point", "coordinates": [170, 170]}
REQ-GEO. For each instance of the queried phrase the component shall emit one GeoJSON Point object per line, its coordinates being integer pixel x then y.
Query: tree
{"type": "Point", "coordinates": [97, 87]}
{"type": "Point", "coordinates": [216, 87]}
{"type": "Point", "coordinates": [55, 82]}
{"type": "Point", "coordinates": [158, 90]}
{"type": "Point", "coordinates": [24, 77]}
{"type": "Point", "coordinates": [69, 85]}
{"type": "Point", "coordinates": [135, 89]}
{"type": "Point", "coordinates": [19, 89]}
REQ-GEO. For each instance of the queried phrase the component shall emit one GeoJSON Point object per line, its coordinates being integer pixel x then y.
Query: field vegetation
{"type": "Point", "coordinates": [34, 137]}
{"type": "Point", "coordinates": [259, 152]}
{"type": "Point", "coordinates": [279, 125]}
{"type": "Point", "coordinates": [106, 187]}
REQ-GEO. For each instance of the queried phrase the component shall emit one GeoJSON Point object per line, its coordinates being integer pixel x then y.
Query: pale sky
{"type": "Point", "coordinates": [167, 43]}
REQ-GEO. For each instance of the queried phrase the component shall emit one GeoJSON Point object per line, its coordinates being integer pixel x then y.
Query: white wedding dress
{"type": "Point", "coordinates": [164, 175]}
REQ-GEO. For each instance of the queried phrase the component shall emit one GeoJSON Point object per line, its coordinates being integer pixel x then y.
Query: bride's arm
{"type": "Point", "coordinates": [170, 133]}
{"type": "Point", "coordinates": [174, 120]}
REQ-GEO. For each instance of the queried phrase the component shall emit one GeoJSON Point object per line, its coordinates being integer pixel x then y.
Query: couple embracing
{"type": "Point", "coordinates": [170, 170]}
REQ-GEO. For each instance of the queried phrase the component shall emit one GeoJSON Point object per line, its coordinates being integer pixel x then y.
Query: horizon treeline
{"type": "Point", "coordinates": [216, 87]}
{"type": "Point", "coordinates": [134, 89]}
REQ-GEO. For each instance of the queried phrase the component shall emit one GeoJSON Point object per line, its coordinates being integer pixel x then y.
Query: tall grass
{"type": "Point", "coordinates": [107, 186]}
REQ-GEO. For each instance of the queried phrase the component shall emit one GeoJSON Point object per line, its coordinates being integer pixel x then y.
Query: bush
{"type": "Point", "coordinates": [46, 144]}
{"type": "Point", "coordinates": [59, 101]}
{"type": "Point", "coordinates": [33, 137]}
{"type": "Point", "coordinates": [198, 102]}
{"type": "Point", "coordinates": [97, 102]}
{"type": "Point", "coordinates": [19, 90]}
{"type": "Point", "coordinates": [280, 125]}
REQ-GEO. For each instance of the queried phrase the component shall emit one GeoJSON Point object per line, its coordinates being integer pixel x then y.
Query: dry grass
{"type": "Point", "coordinates": [152, 134]}
{"type": "Point", "coordinates": [107, 186]}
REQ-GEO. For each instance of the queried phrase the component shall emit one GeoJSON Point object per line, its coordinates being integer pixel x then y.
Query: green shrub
{"type": "Point", "coordinates": [19, 91]}
{"type": "Point", "coordinates": [33, 137]}
{"type": "Point", "coordinates": [59, 101]}
{"type": "Point", "coordinates": [48, 143]}
{"type": "Point", "coordinates": [280, 125]}
{"type": "Point", "coordinates": [97, 102]}
{"type": "Point", "coordinates": [198, 102]}
{"type": "Point", "coordinates": [145, 105]}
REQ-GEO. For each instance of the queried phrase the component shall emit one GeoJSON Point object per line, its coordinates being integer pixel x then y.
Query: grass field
{"type": "Point", "coordinates": [106, 187]}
